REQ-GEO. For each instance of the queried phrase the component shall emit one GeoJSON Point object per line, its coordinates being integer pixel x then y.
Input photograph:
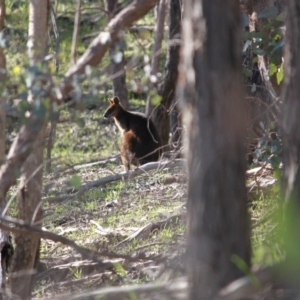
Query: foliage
{"type": "Point", "coordinates": [269, 40]}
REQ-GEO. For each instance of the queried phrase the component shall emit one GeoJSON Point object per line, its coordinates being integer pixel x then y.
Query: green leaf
{"type": "Point", "coordinates": [280, 17]}
{"type": "Point", "coordinates": [259, 51]}
{"type": "Point", "coordinates": [261, 124]}
{"type": "Point", "coordinates": [278, 45]}
{"type": "Point", "coordinates": [272, 69]}
{"type": "Point", "coordinates": [155, 100]}
{"type": "Point", "coordinates": [272, 125]}
{"type": "Point", "coordinates": [280, 74]}
{"type": "Point", "coordinates": [75, 181]}
{"type": "Point", "coordinates": [268, 12]}
{"type": "Point", "coordinates": [276, 188]}
{"type": "Point", "coordinates": [242, 265]}
{"type": "Point", "coordinates": [277, 174]}
{"type": "Point", "coordinates": [246, 45]}
{"type": "Point", "coordinates": [247, 72]}
{"type": "Point", "coordinates": [80, 122]}
{"type": "Point", "coordinates": [120, 270]}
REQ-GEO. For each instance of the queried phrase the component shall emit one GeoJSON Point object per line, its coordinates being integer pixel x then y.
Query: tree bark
{"type": "Point", "coordinates": [117, 60]}
{"type": "Point", "coordinates": [218, 221]}
{"type": "Point", "coordinates": [6, 247]}
{"type": "Point", "coordinates": [160, 115]}
{"type": "Point", "coordinates": [76, 32]}
{"type": "Point", "coordinates": [2, 77]}
{"type": "Point", "coordinates": [291, 137]}
{"type": "Point", "coordinates": [29, 198]}
{"type": "Point", "coordinates": [159, 34]}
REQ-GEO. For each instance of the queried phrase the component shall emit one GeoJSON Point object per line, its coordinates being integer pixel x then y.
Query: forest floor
{"type": "Point", "coordinates": [137, 225]}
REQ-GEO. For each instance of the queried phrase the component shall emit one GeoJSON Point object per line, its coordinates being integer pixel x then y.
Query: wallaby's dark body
{"type": "Point", "coordinates": [140, 140]}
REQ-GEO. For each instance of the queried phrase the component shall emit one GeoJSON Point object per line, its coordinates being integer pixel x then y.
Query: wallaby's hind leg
{"type": "Point", "coordinates": [125, 162]}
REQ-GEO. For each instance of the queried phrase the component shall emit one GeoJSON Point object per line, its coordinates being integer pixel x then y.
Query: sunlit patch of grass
{"type": "Point", "coordinates": [266, 239]}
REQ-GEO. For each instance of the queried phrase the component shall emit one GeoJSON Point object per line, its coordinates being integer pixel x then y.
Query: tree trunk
{"type": "Point", "coordinates": [76, 32]}
{"type": "Point", "coordinates": [218, 221]}
{"type": "Point", "coordinates": [2, 56]}
{"type": "Point", "coordinates": [29, 198]}
{"type": "Point", "coordinates": [6, 246]}
{"type": "Point", "coordinates": [291, 136]}
{"type": "Point", "coordinates": [159, 34]}
{"type": "Point", "coordinates": [117, 61]}
{"type": "Point", "coordinates": [160, 115]}
{"type": "Point", "coordinates": [2, 77]}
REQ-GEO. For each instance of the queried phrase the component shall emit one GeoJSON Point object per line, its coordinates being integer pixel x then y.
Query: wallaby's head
{"type": "Point", "coordinates": [114, 108]}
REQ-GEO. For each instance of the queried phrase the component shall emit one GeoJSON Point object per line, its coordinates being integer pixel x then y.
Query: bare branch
{"type": "Point", "coordinates": [21, 226]}
{"type": "Point", "coordinates": [104, 40]}
{"type": "Point", "coordinates": [116, 177]}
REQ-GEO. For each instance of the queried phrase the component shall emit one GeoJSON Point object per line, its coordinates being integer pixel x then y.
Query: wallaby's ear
{"type": "Point", "coordinates": [116, 100]}
{"type": "Point", "coordinates": [111, 101]}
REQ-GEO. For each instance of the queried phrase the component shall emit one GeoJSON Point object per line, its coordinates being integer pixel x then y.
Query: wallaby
{"type": "Point", "coordinates": [140, 140]}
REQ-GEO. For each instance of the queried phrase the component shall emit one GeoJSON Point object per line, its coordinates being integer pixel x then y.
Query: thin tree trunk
{"type": "Point", "coordinates": [6, 247]}
{"type": "Point", "coordinates": [29, 198]}
{"type": "Point", "coordinates": [2, 77]}
{"type": "Point", "coordinates": [117, 60]}
{"type": "Point", "coordinates": [218, 221]}
{"type": "Point", "coordinates": [252, 9]}
{"type": "Point", "coordinates": [76, 32]}
{"type": "Point", "coordinates": [291, 137]}
{"type": "Point", "coordinates": [160, 115]}
{"type": "Point", "coordinates": [159, 34]}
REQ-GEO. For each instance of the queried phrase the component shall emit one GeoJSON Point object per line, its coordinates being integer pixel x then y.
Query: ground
{"type": "Point", "coordinates": [111, 219]}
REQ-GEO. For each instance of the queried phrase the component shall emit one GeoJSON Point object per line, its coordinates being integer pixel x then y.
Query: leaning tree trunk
{"type": "Point", "coordinates": [291, 137]}
{"type": "Point", "coordinates": [117, 60]}
{"type": "Point", "coordinates": [29, 198]}
{"type": "Point", "coordinates": [160, 114]}
{"type": "Point", "coordinates": [210, 86]}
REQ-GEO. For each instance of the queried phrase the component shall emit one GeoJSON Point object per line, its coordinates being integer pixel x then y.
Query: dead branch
{"type": "Point", "coordinates": [26, 228]}
{"type": "Point", "coordinates": [20, 226]}
{"type": "Point", "coordinates": [145, 231]}
{"type": "Point", "coordinates": [175, 290]}
{"type": "Point", "coordinates": [104, 40]}
{"type": "Point", "coordinates": [116, 177]}
{"type": "Point", "coordinates": [248, 286]}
